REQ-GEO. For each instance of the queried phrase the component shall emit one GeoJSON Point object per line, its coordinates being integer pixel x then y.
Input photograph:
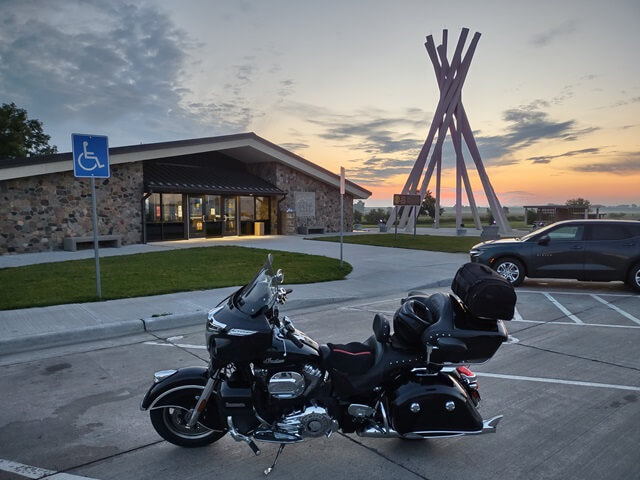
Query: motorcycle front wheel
{"type": "Point", "coordinates": [171, 421]}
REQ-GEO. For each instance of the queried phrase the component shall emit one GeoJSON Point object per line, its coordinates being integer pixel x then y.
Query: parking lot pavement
{"type": "Point", "coordinates": [568, 389]}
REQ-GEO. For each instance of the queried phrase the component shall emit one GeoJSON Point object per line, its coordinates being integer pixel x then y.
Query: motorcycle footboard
{"type": "Point", "coordinates": [488, 426]}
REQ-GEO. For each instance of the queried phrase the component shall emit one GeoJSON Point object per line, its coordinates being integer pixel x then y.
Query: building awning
{"type": "Point", "coordinates": [171, 177]}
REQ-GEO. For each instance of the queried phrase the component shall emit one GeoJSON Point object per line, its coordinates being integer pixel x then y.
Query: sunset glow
{"type": "Point", "coordinates": [553, 92]}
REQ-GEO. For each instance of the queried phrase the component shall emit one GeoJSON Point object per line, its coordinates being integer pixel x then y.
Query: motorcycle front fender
{"type": "Point", "coordinates": [189, 377]}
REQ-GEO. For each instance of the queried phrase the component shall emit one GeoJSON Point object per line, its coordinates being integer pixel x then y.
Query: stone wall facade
{"type": "Point", "coordinates": [326, 198]}
{"type": "Point", "coordinates": [36, 213]}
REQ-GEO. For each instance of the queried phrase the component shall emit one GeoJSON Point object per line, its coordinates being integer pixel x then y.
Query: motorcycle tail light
{"type": "Point", "coordinates": [468, 377]}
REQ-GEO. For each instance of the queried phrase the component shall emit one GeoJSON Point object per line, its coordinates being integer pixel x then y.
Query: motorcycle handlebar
{"type": "Point", "coordinates": [294, 339]}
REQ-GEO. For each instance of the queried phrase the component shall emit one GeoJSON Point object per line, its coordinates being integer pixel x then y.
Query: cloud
{"type": "Point", "coordinates": [111, 64]}
{"type": "Point", "coordinates": [374, 169]}
{"type": "Point", "coordinates": [392, 145]}
{"type": "Point", "coordinates": [626, 163]}
{"type": "Point", "coordinates": [527, 125]}
{"type": "Point", "coordinates": [548, 158]}
{"type": "Point", "coordinates": [544, 38]}
{"type": "Point", "coordinates": [294, 146]}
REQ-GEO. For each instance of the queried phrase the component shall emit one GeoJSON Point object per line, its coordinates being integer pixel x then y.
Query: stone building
{"type": "Point", "coordinates": [229, 185]}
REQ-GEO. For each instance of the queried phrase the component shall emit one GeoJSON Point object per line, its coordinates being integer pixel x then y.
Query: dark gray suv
{"type": "Point", "coordinates": [597, 250]}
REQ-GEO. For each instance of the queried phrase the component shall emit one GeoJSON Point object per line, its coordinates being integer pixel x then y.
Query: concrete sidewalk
{"type": "Point", "coordinates": [377, 272]}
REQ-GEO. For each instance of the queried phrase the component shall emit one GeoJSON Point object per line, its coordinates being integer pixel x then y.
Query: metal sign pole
{"type": "Point", "coordinates": [396, 222]}
{"type": "Point", "coordinates": [415, 221]}
{"type": "Point", "coordinates": [341, 225]}
{"type": "Point", "coordinates": [342, 189]}
{"type": "Point", "coordinates": [95, 236]}
{"type": "Point", "coordinates": [91, 160]}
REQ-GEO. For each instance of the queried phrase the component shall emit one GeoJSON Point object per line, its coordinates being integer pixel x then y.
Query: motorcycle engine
{"type": "Point", "coordinates": [313, 421]}
{"type": "Point", "coordinates": [287, 384]}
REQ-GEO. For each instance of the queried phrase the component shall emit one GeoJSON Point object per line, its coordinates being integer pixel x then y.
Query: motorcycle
{"type": "Point", "coordinates": [269, 382]}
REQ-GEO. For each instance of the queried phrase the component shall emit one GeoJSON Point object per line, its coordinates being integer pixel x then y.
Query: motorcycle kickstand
{"type": "Point", "coordinates": [270, 469]}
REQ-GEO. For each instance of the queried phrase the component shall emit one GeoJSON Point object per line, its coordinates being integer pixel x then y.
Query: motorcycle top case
{"type": "Point", "coordinates": [484, 293]}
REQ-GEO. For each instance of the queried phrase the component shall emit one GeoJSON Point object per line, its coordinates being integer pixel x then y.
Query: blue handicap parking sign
{"type": "Point", "coordinates": [90, 155]}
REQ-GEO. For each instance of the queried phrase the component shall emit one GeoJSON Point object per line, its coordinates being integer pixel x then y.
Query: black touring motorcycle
{"type": "Point", "coordinates": [269, 382]}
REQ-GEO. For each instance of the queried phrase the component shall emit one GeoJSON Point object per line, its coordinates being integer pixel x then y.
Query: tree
{"type": "Point", "coordinates": [429, 205]}
{"type": "Point", "coordinates": [21, 136]}
{"type": "Point", "coordinates": [357, 216]}
{"type": "Point", "coordinates": [577, 202]}
{"type": "Point", "coordinates": [374, 215]}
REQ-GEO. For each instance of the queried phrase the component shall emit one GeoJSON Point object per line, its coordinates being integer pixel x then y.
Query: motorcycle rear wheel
{"type": "Point", "coordinates": [171, 422]}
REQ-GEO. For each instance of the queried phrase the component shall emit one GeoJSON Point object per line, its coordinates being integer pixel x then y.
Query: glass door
{"type": "Point", "coordinates": [196, 217]}
{"type": "Point", "coordinates": [230, 216]}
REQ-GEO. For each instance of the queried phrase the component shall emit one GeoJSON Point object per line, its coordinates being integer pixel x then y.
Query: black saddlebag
{"type": "Point", "coordinates": [485, 293]}
{"type": "Point", "coordinates": [434, 406]}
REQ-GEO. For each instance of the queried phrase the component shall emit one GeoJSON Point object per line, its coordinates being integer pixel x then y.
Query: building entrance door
{"type": "Point", "coordinates": [230, 224]}
{"type": "Point", "coordinates": [196, 217]}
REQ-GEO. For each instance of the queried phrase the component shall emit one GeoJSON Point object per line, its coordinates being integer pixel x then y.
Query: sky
{"type": "Point", "coordinates": [552, 93]}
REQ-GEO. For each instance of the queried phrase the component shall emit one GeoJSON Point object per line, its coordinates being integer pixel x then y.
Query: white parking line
{"type": "Point", "coordinates": [576, 324]}
{"type": "Point", "coordinates": [562, 308]}
{"type": "Point", "coordinates": [516, 315]}
{"type": "Point", "coordinates": [616, 308]}
{"type": "Point", "coordinates": [558, 381]}
{"type": "Point", "coordinates": [181, 345]}
{"type": "Point", "coordinates": [28, 471]}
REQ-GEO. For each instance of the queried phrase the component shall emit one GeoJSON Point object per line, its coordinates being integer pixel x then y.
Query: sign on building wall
{"type": "Point", "coordinates": [305, 204]}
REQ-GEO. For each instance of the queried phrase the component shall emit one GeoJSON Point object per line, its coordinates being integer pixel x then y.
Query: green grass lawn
{"type": "Point", "coordinates": [421, 242]}
{"type": "Point", "coordinates": [154, 274]}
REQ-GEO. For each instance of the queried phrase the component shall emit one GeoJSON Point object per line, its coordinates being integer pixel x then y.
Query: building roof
{"type": "Point", "coordinates": [245, 147]}
{"type": "Point", "coordinates": [170, 177]}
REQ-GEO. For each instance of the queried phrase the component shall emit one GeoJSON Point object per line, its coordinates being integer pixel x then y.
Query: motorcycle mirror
{"type": "Point", "coordinates": [280, 276]}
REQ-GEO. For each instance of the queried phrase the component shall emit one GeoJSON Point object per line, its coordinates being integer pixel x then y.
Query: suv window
{"type": "Point", "coordinates": [567, 232]}
{"type": "Point", "coordinates": [609, 232]}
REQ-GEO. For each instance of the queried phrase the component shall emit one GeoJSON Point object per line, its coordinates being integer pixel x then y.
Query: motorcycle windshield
{"type": "Point", "coordinates": [260, 292]}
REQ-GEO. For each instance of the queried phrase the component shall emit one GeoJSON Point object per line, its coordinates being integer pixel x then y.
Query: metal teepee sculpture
{"type": "Point", "coordinates": [450, 116]}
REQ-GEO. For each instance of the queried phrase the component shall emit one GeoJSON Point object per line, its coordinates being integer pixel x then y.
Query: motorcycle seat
{"type": "Point", "coordinates": [359, 367]}
{"type": "Point", "coordinates": [356, 358]}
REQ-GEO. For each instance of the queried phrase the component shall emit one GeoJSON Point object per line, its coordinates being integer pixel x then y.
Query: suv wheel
{"type": "Point", "coordinates": [511, 269]}
{"type": "Point", "coordinates": [634, 277]}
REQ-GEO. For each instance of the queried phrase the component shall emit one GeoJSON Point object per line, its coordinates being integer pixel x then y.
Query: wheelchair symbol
{"type": "Point", "coordinates": [87, 156]}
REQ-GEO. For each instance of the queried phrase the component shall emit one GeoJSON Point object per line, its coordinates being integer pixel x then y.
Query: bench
{"type": "Point", "coordinates": [71, 243]}
{"type": "Point", "coordinates": [310, 230]}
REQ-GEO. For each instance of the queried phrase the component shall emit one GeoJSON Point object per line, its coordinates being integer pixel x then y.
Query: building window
{"type": "Point", "coordinates": [247, 209]}
{"type": "Point", "coordinates": [172, 207]}
{"type": "Point", "coordinates": [213, 208]}
{"type": "Point", "coordinates": [262, 208]}
{"type": "Point", "coordinates": [152, 212]}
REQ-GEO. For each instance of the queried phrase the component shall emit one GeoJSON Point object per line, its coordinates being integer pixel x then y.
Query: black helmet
{"type": "Point", "coordinates": [411, 319]}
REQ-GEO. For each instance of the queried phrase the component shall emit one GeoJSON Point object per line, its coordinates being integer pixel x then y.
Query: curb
{"type": "Point", "coordinates": [70, 337]}
{"type": "Point", "coordinates": [153, 324]}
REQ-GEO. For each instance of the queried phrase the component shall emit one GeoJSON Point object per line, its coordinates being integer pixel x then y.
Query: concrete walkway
{"type": "Point", "coordinates": [377, 272]}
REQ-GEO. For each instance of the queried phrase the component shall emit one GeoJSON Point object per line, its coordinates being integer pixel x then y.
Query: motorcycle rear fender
{"type": "Point", "coordinates": [195, 377]}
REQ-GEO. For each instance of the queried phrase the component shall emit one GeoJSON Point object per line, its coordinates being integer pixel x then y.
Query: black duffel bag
{"type": "Point", "coordinates": [485, 293]}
